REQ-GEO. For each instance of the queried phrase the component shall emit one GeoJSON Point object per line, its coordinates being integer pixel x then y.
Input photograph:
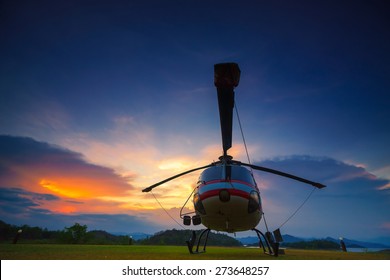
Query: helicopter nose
{"type": "Point", "coordinates": [224, 195]}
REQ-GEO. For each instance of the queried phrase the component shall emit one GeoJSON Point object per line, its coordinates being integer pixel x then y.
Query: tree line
{"type": "Point", "coordinates": [75, 234]}
{"type": "Point", "coordinates": [79, 234]}
{"type": "Point", "coordinates": [179, 237]}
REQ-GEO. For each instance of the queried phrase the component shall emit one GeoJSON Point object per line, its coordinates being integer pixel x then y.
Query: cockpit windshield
{"type": "Point", "coordinates": [212, 173]}
{"type": "Point", "coordinates": [218, 173]}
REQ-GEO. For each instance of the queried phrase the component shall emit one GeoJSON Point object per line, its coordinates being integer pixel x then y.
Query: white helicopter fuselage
{"type": "Point", "coordinates": [227, 199]}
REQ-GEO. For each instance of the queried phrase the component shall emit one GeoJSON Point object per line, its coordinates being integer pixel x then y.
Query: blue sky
{"type": "Point", "coordinates": [105, 98]}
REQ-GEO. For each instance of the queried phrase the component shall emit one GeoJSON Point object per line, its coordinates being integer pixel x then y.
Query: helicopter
{"type": "Point", "coordinates": [226, 197]}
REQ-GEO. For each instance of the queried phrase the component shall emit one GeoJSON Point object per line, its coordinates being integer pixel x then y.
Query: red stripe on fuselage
{"type": "Point", "coordinates": [232, 192]}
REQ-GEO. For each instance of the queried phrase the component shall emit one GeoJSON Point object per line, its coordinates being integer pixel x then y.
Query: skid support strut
{"type": "Point", "coordinates": [191, 242]}
{"type": "Point", "coordinates": [271, 247]}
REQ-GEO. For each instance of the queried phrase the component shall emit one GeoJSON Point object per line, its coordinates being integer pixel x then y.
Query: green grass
{"type": "Point", "coordinates": [139, 252]}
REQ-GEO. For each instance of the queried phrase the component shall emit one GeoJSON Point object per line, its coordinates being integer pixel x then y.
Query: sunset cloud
{"type": "Point", "coordinates": [39, 166]}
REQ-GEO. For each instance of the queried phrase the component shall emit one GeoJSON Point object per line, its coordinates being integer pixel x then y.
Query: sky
{"type": "Point", "coordinates": [100, 99]}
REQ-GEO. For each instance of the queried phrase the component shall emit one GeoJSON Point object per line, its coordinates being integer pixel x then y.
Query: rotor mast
{"type": "Point", "coordinates": [226, 78]}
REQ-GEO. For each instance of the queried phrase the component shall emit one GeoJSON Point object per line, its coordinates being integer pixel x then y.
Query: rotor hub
{"type": "Point", "coordinates": [225, 158]}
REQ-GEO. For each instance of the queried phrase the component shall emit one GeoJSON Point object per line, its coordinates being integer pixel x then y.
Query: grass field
{"type": "Point", "coordinates": [119, 252]}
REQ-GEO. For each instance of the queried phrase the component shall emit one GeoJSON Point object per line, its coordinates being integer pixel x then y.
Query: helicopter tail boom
{"type": "Point", "coordinates": [226, 78]}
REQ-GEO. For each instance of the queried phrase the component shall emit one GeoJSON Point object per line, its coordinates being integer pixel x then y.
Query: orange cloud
{"type": "Point", "coordinates": [41, 168]}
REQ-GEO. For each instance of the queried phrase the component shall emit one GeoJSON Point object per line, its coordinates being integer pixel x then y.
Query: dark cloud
{"type": "Point", "coordinates": [15, 197]}
{"type": "Point", "coordinates": [342, 178]}
{"type": "Point", "coordinates": [13, 194]}
{"type": "Point", "coordinates": [20, 203]}
{"type": "Point", "coordinates": [354, 202]}
{"type": "Point", "coordinates": [24, 151]}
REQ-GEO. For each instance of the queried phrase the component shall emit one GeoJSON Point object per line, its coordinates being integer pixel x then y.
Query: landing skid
{"type": "Point", "coordinates": [266, 242]}
{"type": "Point", "coordinates": [272, 247]}
{"type": "Point", "coordinates": [191, 242]}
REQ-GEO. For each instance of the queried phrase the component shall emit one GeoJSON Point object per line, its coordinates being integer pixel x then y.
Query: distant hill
{"type": "Point", "coordinates": [139, 235]}
{"type": "Point", "coordinates": [250, 240]}
{"type": "Point", "coordinates": [321, 244]}
{"type": "Point", "coordinates": [289, 239]}
{"type": "Point", "coordinates": [179, 237]}
{"type": "Point", "coordinates": [382, 240]}
{"type": "Point", "coordinates": [101, 237]}
{"type": "Point", "coordinates": [358, 244]}
{"type": "Point", "coordinates": [134, 235]}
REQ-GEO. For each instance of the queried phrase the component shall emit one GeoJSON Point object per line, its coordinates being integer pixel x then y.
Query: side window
{"type": "Point", "coordinates": [242, 174]}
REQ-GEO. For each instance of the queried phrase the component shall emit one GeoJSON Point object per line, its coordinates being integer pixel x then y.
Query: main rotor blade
{"type": "Point", "coordinates": [148, 189]}
{"type": "Point", "coordinates": [280, 173]}
{"type": "Point", "coordinates": [226, 78]}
